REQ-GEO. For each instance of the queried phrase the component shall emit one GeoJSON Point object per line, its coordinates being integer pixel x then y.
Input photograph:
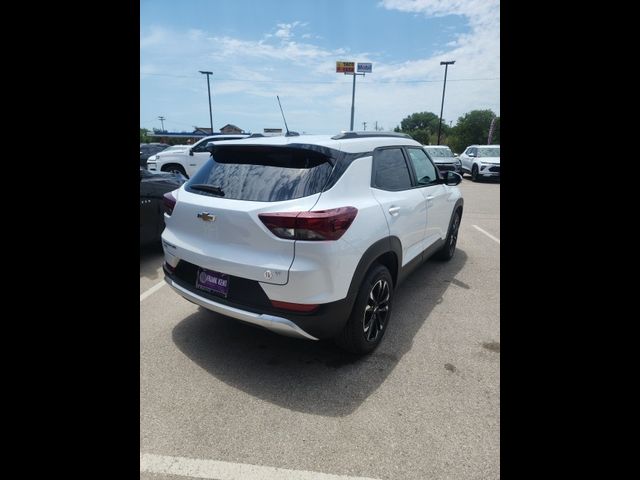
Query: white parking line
{"type": "Point", "coordinates": [486, 233]}
{"type": "Point", "coordinates": [152, 290]}
{"type": "Point", "coordinates": [195, 468]}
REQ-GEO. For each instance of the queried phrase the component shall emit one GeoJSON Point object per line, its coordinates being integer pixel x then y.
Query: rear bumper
{"type": "Point", "coordinates": [275, 324]}
{"type": "Point", "coordinates": [326, 322]}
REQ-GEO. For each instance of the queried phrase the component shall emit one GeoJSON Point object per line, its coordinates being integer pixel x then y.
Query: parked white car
{"type": "Point", "coordinates": [309, 236]}
{"type": "Point", "coordinates": [187, 161]}
{"type": "Point", "coordinates": [481, 161]}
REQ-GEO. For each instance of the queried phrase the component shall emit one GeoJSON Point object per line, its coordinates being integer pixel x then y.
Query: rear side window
{"type": "Point", "coordinates": [262, 173]}
{"type": "Point", "coordinates": [390, 171]}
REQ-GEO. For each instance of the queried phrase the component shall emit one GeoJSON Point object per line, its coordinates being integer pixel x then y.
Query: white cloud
{"type": "Point", "coordinates": [248, 74]}
{"type": "Point", "coordinates": [285, 29]}
{"type": "Point", "coordinates": [477, 53]}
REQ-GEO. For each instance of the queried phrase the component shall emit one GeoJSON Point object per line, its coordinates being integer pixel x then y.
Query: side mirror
{"type": "Point", "coordinates": [210, 147]}
{"type": "Point", "coordinates": [452, 178]}
{"type": "Point", "coordinates": [191, 152]}
{"type": "Point", "coordinates": [472, 155]}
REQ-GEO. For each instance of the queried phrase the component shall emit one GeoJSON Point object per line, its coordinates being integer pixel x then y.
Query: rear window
{"type": "Point", "coordinates": [262, 174]}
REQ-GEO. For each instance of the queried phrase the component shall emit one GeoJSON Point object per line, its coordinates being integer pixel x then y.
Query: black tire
{"type": "Point", "coordinates": [474, 174]}
{"type": "Point", "coordinates": [174, 168]}
{"type": "Point", "coordinates": [371, 313]}
{"type": "Point", "coordinates": [449, 248]}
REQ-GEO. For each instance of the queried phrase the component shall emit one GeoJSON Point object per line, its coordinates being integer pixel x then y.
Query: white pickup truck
{"type": "Point", "coordinates": [187, 161]}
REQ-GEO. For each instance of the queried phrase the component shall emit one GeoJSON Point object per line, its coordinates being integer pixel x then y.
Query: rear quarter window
{"type": "Point", "coordinates": [263, 173]}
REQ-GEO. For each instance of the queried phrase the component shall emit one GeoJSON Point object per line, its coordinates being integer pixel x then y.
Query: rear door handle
{"type": "Point", "coordinates": [394, 211]}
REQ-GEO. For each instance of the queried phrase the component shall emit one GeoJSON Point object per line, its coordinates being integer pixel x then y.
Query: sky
{"type": "Point", "coordinates": [258, 49]}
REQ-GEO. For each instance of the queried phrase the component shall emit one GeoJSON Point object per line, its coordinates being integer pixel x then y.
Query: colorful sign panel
{"type": "Point", "coordinates": [364, 67]}
{"type": "Point", "coordinates": [345, 67]}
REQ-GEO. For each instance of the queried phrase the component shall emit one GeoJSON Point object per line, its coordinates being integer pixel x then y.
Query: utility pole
{"type": "Point", "coordinates": [446, 66]}
{"type": "Point", "coordinates": [364, 125]}
{"type": "Point", "coordinates": [348, 68]}
{"type": "Point", "coordinates": [162, 119]}
{"type": "Point", "coordinates": [353, 95]}
{"type": "Point", "coordinates": [376, 125]}
{"type": "Point", "coordinates": [209, 91]}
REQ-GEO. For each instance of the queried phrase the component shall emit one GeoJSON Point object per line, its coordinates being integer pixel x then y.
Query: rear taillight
{"type": "Point", "coordinates": [319, 225]}
{"type": "Point", "coordinates": [169, 203]}
{"type": "Point", "coordinates": [295, 307]}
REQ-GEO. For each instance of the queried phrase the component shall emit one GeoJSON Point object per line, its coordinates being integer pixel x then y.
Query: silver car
{"type": "Point", "coordinates": [444, 158]}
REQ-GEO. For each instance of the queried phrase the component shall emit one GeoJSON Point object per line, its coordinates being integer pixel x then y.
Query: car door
{"type": "Point", "coordinates": [148, 208]}
{"type": "Point", "coordinates": [404, 207]}
{"type": "Point", "coordinates": [435, 192]}
{"type": "Point", "coordinates": [471, 156]}
{"type": "Point", "coordinates": [197, 156]}
{"type": "Point", "coordinates": [464, 158]}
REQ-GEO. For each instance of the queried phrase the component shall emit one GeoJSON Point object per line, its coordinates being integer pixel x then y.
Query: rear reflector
{"type": "Point", "coordinates": [318, 225]}
{"type": "Point", "coordinates": [295, 307]}
{"type": "Point", "coordinates": [169, 203]}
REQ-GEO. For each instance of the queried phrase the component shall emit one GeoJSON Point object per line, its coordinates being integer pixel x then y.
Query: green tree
{"type": "Point", "coordinates": [144, 138]}
{"type": "Point", "coordinates": [423, 127]}
{"type": "Point", "coordinates": [473, 128]}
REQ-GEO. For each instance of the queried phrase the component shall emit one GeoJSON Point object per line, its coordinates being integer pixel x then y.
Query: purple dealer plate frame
{"type": "Point", "coordinates": [213, 282]}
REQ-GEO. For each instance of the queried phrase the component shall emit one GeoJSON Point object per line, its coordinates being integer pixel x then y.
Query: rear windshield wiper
{"type": "Point", "coordinates": [208, 188]}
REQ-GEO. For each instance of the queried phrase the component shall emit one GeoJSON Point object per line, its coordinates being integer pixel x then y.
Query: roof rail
{"type": "Point", "coordinates": [345, 135]}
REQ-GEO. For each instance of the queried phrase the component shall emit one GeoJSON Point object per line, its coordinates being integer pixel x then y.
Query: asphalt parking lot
{"type": "Point", "coordinates": [219, 399]}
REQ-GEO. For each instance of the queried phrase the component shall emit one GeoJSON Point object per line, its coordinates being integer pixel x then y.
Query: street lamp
{"type": "Point", "coordinates": [446, 66]}
{"type": "Point", "coordinates": [209, 90]}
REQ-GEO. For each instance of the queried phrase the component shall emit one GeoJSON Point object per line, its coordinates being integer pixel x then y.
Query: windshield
{"type": "Point", "coordinates": [439, 152]}
{"type": "Point", "coordinates": [489, 152]}
{"type": "Point", "coordinates": [177, 147]}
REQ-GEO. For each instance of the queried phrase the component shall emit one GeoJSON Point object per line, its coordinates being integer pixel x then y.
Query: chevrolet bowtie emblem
{"type": "Point", "coordinates": [207, 217]}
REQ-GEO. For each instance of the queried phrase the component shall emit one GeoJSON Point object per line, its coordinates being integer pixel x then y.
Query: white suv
{"type": "Point", "coordinates": [481, 161]}
{"type": "Point", "coordinates": [187, 161]}
{"type": "Point", "coordinates": [309, 236]}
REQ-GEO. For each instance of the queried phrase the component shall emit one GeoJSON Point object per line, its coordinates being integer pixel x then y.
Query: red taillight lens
{"type": "Point", "coordinates": [319, 225]}
{"type": "Point", "coordinates": [169, 203]}
{"type": "Point", "coordinates": [295, 307]}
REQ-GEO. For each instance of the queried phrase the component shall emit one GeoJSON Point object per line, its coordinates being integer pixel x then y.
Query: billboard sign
{"type": "Point", "coordinates": [345, 67]}
{"type": "Point", "coordinates": [364, 67]}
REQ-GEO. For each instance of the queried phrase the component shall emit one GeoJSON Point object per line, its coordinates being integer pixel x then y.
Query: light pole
{"type": "Point", "coordinates": [446, 66]}
{"type": "Point", "coordinates": [209, 91]}
{"type": "Point", "coordinates": [353, 96]}
{"type": "Point", "coordinates": [162, 122]}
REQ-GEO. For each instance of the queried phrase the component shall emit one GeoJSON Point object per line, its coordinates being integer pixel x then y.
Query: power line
{"type": "Point", "coordinates": [323, 82]}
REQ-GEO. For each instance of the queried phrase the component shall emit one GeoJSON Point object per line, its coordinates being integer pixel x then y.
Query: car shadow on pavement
{"type": "Point", "coordinates": [151, 256]}
{"type": "Point", "coordinates": [313, 377]}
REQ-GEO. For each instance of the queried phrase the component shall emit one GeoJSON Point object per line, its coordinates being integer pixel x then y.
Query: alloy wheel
{"type": "Point", "coordinates": [376, 311]}
{"type": "Point", "coordinates": [453, 236]}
